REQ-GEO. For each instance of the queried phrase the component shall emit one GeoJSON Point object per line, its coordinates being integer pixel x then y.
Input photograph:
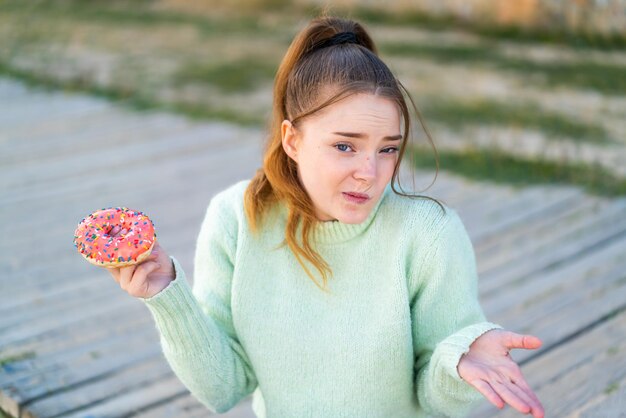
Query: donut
{"type": "Point", "coordinates": [94, 243]}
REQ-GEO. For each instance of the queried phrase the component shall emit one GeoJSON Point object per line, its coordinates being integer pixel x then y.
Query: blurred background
{"type": "Point", "coordinates": [180, 92]}
{"type": "Point", "coordinates": [513, 91]}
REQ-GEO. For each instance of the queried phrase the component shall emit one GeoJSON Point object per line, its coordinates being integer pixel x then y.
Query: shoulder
{"type": "Point", "coordinates": [225, 209]}
{"type": "Point", "coordinates": [231, 195]}
{"type": "Point", "coordinates": [420, 216]}
{"type": "Point", "coordinates": [229, 201]}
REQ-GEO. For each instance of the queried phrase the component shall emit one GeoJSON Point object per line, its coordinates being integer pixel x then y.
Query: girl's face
{"type": "Point", "coordinates": [349, 147]}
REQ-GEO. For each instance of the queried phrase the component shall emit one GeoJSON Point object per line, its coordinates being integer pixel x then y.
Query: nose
{"type": "Point", "coordinates": [366, 169]}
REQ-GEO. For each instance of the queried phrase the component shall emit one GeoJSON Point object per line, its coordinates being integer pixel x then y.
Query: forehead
{"type": "Point", "coordinates": [362, 110]}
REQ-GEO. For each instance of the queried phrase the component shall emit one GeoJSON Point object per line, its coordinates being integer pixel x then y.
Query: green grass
{"type": "Point", "coordinates": [603, 77]}
{"type": "Point", "coordinates": [4, 415]}
{"type": "Point", "coordinates": [610, 388]}
{"type": "Point", "coordinates": [17, 357]}
{"type": "Point", "coordinates": [499, 167]}
{"type": "Point", "coordinates": [242, 75]}
{"type": "Point", "coordinates": [518, 115]}
{"type": "Point", "coordinates": [553, 34]}
{"type": "Point", "coordinates": [493, 166]}
{"type": "Point", "coordinates": [133, 99]}
{"type": "Point", "coordinates": [245, 75]}
{"type": "Point", "coordinates": [128, 13]}
{"type": "Point", "coordinates": [611, 351]}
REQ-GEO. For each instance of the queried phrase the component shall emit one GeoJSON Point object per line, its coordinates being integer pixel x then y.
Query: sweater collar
{"type": "Point", "coordinates": [333, 232]}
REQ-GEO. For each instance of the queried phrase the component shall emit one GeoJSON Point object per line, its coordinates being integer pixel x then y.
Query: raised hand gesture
{"type": "Point", "coordinates": [490, 369]}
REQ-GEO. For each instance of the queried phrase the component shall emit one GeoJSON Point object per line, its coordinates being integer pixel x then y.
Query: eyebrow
{"type": "Point", "coordinates": [362, 136]}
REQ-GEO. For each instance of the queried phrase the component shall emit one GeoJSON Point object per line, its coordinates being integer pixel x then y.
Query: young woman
{"type": "Point", "coordinates": [395, 329]}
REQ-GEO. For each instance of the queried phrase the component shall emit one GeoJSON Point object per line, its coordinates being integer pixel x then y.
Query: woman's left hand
{"type": "Point", "coordinates": [490, 369]}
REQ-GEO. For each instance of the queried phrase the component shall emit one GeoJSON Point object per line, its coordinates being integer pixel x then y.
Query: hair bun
{"type": "Point", "coordinates": [336, 39]}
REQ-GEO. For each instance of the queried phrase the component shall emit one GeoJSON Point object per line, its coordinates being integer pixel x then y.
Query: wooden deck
{"type": "Point", "coordinates": [72, 344]}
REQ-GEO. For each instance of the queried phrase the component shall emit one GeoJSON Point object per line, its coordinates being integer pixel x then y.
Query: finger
{"type": "Point", "coordinates": [521, 382]}
{"type": "Point", "coordinates": [535, 407]}
{"type": "Point", "coordinates": [139, 281]}
{"type": "Point", "coordinates": [487, 391]}
{"type": "Point", "coordinates": [514, 340]}
{"type": "Point", "coordinates": [156, 249]}
{"type": "Point", "coordinates": [114, 231]}
{"type": "Point", "coordinates": [510, 397]}
{"type": "Point", "coordinates": [126, 274]}
{"type": "Point", "coordinates": [144, 269]}
{"type": "Point", "coordinates": [115, 272]}
{"type": "Point", "coordinates": [152, 256]}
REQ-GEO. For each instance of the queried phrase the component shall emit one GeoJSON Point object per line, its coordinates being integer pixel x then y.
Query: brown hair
{"type": "Point", "coordinates": [306, 74]}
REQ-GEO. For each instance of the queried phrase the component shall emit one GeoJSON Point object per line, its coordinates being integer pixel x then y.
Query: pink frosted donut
{"type": "Point", "coordinates": [93, 241]}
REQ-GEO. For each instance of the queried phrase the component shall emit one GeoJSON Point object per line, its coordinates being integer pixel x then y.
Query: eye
{"type": "Point", "coordinates": [390, 150]}
{"type": "Point", "coordinates": [342, 145]}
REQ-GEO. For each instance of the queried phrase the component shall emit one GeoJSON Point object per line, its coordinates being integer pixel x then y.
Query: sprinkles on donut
{"type": "Point", "coordinates": [94, 243]}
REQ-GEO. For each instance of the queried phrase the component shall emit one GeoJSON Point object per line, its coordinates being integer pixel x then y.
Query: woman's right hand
{"type": "Point", "coordinates": [147, 278]}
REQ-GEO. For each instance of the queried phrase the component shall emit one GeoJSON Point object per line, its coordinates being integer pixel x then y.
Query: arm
{"type": "Point", "coordinates": [195, 326]}
{"type": "Point", "coordinates": [447, 318]}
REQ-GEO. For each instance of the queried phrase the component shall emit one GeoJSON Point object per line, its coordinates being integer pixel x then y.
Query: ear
{"type": "Point", "coordinates": [290, 139]}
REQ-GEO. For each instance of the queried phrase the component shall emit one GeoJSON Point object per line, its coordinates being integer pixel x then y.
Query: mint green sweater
{"type": "Point", "coordinates": [403, 308]}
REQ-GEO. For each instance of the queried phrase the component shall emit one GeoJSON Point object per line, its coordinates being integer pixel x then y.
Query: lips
{"type": "Point", "coordinates": [356, 198]}
{"type": "Point", "coordinates": [358, 195]}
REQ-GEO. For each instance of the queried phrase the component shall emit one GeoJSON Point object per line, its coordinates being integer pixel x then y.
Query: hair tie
{"type": "Point", "coordinates": [336, 39]}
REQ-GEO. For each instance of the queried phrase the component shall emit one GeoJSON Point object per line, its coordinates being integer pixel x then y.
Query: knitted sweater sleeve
{"type": "Point", "coordinates": [195, 326]}
{"type": "Point", "coordinates": [446, 318]}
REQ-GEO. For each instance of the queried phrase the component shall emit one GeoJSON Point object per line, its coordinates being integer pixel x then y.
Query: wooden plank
{"type": "Point", "coordinates": [27, 355]}
{"type": "Point", "coordinates": [28, 371]}
{"type": "Point", "coordinates": [610, 403]}
{"type": "Point", "coordinates": [80, 139]}
{"type": "Point", "coordinates": [170, 231]}
{"type": "Point", "coordinates": [134, 401]}
{"type": "Point", "coordinates": [31, 375]}
{"type": "Point", "coordinates": [138, 177]}
{"type": "Point", "coordinates": [53, 133]}
{"type": "Point", "coordinates": [523, 234]}
{"type": "Point", "coordinates": [585, 268]}
{"type": "Point", "coordinates": [99, 190]}
{"type": "Point", "coordinates": [17, 313]}
{"type": "Point", "coordinates": [83, 364]}
{"type": "Point", "coordinates": [160, 146]}
{"type": "Point", "coordinates": [102, 178]}
{"type": "Point", "coordinates": [46, 325]}
{"type": "Point", "coordinates": [37, 305]}
{"type": "Point", "coordinates": [60, 233]}
{"type": "Point", "coordinates": [189, 407]}
{"type": "Point", "coordinates": [488, 198]}
{"type": "Point", "coordinates": [33, 286]}
{"type": "Point", "coordinates": [573, 374]}
{"type": "Point", "coordinates": [549, 306]}
{"type": "Point", "coordinates": [44, 106]}
{"type": "Point", "coordinates": [448, 187]}
{"type": "Point", "coordinates": [466, 195]}
{"type": "Point", "coordinates": [22, 272]}
{"type": "Point", "coordinates": [539, 234]}
{"type": "Point", "coordinates": [11, 89]}
{"type": "Point", "coordinates": [59, 130]}
{"type": "Point", "coordinates": [129, 379]}
{"type": "Point", "coordinates": [113, 130]}
{"type": "Point", "coordinates": [557, 248]}
{"type": "Point", "coordinates": [524, 206]}
{"type": "Point", "coordinates": [50, 298]}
